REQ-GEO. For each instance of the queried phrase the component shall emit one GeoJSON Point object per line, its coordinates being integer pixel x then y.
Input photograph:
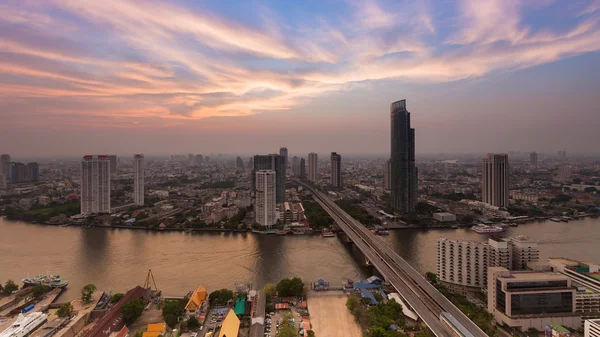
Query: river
{"type": "Point", "coordinates": [118, 259]}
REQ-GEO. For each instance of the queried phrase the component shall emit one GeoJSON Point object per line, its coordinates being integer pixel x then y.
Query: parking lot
{"type": "Point", "coordinates": [273, 321]}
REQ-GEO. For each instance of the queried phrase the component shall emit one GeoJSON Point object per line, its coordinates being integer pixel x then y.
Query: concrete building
{"type": "Point", "coordinates": [266, 190]}
{"type": "Point", "coordinates": [138, 179]}
{"type": "Point", "coordinates": [5, 166]}
{"type": "Point", "coordinates": [531, 299]}
{"type": "Point", "coordinates": [296, 166]}
{"type": "Point", "coordinates": [283, 152]}
{"type": "Point", "coordinates": [529, 197]}
{"type": "Point", "coordinates": [336, 170]}
{"type": "Point", "coordinates": [403, 169]}
{"type": "Point", "coordinates": [290, 212]}
{"type": "Point", "coordinates": [239, 163]}
{"type": "Point", "coordinates": [302, 168]}
{"type": "Point", "coordinates": [444, 217]}
{"type": "Point", "coordinates": [494, 176]}
{"type": "Point", "coordinates": [113, 163]}
{"type": "Point", "coordinates": [586, 277]}
{"type": "Point", "coordinates": [591, 328]}
{"type": "Point", "coordinates": [95, 184]}
{"type": "Point", "coordinates": [199, 160]}
{"type": "Point", "coordinates": [565, 172]}
{"type": "Point", "coordinates": [524, 251]}
{"type": "Point", "coordinates": [250, 163]}
{"type": "Point", "coordinates": [22, 173]}
{"type": "Point", "coordinates": [313, 166]}
{"type": "Point", "coordinates": [2, 181]}
{"type": "Point", "coordinates": [533, 159]}
{"type": "Point", "coordinates": [276, 163]}
{"type": "Point", "coordinates": [387, 174]}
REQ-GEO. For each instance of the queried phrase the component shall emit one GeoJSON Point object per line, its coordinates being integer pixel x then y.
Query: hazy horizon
{"type": "Point", "coordinates": [248, 77]}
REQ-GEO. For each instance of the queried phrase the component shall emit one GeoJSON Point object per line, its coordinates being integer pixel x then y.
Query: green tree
{"type": "Point", "coordinates": [171, 320]}
{"type": "Point", "coordinates": [131, 311]}
{"type": "Point", "coordinates": [270, 289]}
{"type": "Point", "coordinates": [290, 287]}
{"type": "Point", "coordinates": [39, 290]}
{"type": "Point", "coordinates": [65, 310]}
{"type": "Point", "coordinates": [220, 297]}
{"type": "Point", "coordinates": [193, 323]}
{"type": "Point", "coordinates": [431, 277]}
{"type": "Point", "coordinates": [287, 329]}
{"type": "Point", "coordinates": [352, 303]}
{"type": "Point", "coordinates": [86, 293]}
{"type": "Point", "coordinates": [175, 308]}
{"type": "Point", "coordinates": [116, 297]}
{"type": "Point", "coordinates": [9, 287]}
{"type": "Point", "coordinates": [310, 333]}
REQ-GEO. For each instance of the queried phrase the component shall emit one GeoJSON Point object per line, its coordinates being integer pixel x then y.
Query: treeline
{"type": "Point", "coordinates": [317, 217]}
{"type": "Point", "coordinates": [354, 210]}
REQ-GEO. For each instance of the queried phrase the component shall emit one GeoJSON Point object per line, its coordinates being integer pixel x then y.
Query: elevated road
{"type": "Point", "coordinates": [424, 299]}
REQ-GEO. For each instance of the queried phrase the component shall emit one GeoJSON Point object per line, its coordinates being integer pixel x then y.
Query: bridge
{"type": "Point", "coordinates": [424, 298]}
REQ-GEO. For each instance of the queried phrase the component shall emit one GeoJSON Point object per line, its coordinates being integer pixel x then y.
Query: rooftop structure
{"type": "Point", "coordinates": [230, 326]}
{"type": "Point", "coordinates": [198, 298]}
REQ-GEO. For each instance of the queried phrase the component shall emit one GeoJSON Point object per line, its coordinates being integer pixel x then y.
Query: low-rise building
{"type": "Point", "coordinates": [230, 326]}
{"type": "Point", "coordinates": [531, 299]}
{"type": "Point", "coordinates": [199, 296]}
{"type": "Point", "coordinates": [155, 330]}
{"type": "Point", "coordinates": [444, 217]}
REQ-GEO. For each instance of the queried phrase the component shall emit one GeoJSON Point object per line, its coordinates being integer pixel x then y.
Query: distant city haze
{"type": "Point", "coordinates": [251, 77]}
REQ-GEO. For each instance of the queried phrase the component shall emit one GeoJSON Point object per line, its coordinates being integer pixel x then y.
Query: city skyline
{"type": "Point", "coordinates": [320, 73]}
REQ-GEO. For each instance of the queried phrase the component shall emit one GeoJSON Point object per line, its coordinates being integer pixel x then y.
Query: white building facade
{"type": "Point", "coordinates": [592, 328]}
{"type": "Point", "coordinates": [95, 184]}
{"type": "Point", "coordinates": [138, 179]}
{"type": "Point", "coordinates": [265, 205]}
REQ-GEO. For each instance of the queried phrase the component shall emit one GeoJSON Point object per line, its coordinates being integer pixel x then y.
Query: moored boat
{"type": "Point", "coordinates": [486, 229]}
{"type": "Point", "coordinates": [327, 234]}
{"type": "Point", "coordinates": [47, 280]}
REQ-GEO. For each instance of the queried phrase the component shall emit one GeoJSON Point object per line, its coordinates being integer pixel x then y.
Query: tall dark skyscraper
{"type": "Point", "coordinates": [284, 153]}
{"type": "Point", "coordinates": [273, 162]}
{"type": "Point", "coordinates": [403, 169]}
{"type": "Point", "coordinates": [336, 170]}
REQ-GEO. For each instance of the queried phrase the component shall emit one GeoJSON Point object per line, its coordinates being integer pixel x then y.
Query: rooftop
{"type": "Point", "coordinates": [559, 328]}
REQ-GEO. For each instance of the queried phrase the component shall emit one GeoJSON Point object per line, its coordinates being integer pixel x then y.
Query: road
{"type": "Point", "coordinates": [424, 299]}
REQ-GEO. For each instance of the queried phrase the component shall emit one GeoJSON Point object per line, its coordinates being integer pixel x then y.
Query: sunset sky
{"type": "Point", "coordinates": [242, 77]}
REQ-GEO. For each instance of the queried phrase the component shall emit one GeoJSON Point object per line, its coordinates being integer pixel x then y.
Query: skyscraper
{"type": "Point", "coordinates": [239, 163]}
{"type": "Point", "coordinates": [312, 166]}
{"type": "Point", "coordinates": [302, 168]}
{"type": "Point", "coordinates": [533, 159]}
{"type": "Point", "coordinates": [336, 170]}
{"type": "Point", "coordinates": [199, 160]}
{"type": "Point", "coordinates": [296, 166]}
{"type": "Point", "coordinates": [138, 179]}
{"type": "Point", "coordinates": [251, 164]}
{"type": "Point", "coordinates": [494, 176]}
{"type": "Point", "coordinates": [387, 174]}
{"type": "Point", "coordinates": [21, 173]}
{"type": "Point", "coordinates": [265, 206]}
{"type": "Point", "coordinates": [5, 166]}
{"type": "Point", "coordinates": [403, 171]}
{"type": "Point", "coordinates": [95, 184]}
{"type": "Point", "coordinates": [284, 153]}
{"type": "Point", "coordinates": [565, 172]}
{"type": "Point", "coordinates": [113, 163]}
{"type": "Point", "coordinates": [273, 162]}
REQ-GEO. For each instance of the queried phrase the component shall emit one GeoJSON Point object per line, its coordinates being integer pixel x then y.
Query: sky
{"type": "Point", "coordinates": [243, 77]}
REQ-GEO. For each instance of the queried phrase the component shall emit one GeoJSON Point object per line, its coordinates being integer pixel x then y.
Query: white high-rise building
{"type": "Point", "coordinates": [495, 180]}
{"type": "Point", "coordinates": [95, 184]}
{"type": "Point", "coordinates": [138, 179]}
{"type": "Point", "coordinates": [265, 206]}
{"type": "Point", "coordinates": [592, 328]}
{"type": "Point", "coordinates": [524, 250]}
{"type": "Point", "coordinates": [387, 174]}
{"type": "Point", "coordinates": [312, 166]}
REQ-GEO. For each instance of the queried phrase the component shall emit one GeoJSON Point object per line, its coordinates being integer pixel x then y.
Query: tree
{"type": "Point", "coordinates": [116, 297]}
{"type": "Point", "coordinates": [287, 329]}
{"type": "Point", "coordinates": [352, 302]}
{"type": "Point", "coordinates": [220, 297]}
{"type": "Point", "coordinates": [86, 293]}
{"type": "Point", "coordinates": [270, 289]}
{"type": "Point", "coordinates": [175, 308]}
{"type": "Point", "coordinates": [290, 287]}
{"type": "Point", "coordinates": [431, 277]}
{"type": "Point", "coordinates": [132, 310]}
{"type": "Point", "coordinates": [39, 290]}
{"type": "Point", "coordinates": [65, 310]}
{"type": "Point", "coordinates": [171, 320]}
{"type": "Point", "coordinates": [590, 189]}
{"type": "Point", "coordinates": [193, 323]}
{"type": "Point", "coordinates": [310, 333]}
{"type": "Point", "coordinates": [9, 287]}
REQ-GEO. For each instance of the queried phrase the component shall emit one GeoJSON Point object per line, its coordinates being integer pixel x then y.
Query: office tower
{"type": "Point", "coordinates": [239, 163]}
{"type": "Point", "coordinates": [591, 328]}
{"type": "Point", "coordinates": [494, 176]}
{"type": "Point", "coordinates": [387, 172]}
{"type": "Point", "coordinates": [113, 164]}
{"type": "Point", "coordinates": [565, 172]}
{"type": "Point", "coordinates": [191, 159]}
{"type": "Point", "coordinates": [533, 159]}
{"type": "Point", "coordinates": [313, 166]}
{"type": "Point", "coordinates": [302, 168]}
{"type": "Point", "coordinates": [95, 184]}
{"type": "Point", "coordinates": [198, 160]}
{"type": "Point", "coordinates": [2, 181]}
{"type": "Point", "coordinates": [284, 153]}
{"type": "Point", "coordinates": [273, 162]}
{"type": "Point", "coordinates": [266, 193]}
{"type": "Point", "coordinates": [403, 170]}
{"type": "Point", "coordinates": [336, 170]}
{"type": "Point", "coordinates": [21, 173]}
{"type": "Point", "coordinates": [138, 179]}
{"type": "Point", "coordinates": [531, 299]}
{"type": "Point", "coordinates": [584, 276]}
{"type": "Point", "coordinates": [5, 166]}
{"type": "Point", "coordinates": [296, 166]}
{"type": "Point", "coordinates": [251, 163]}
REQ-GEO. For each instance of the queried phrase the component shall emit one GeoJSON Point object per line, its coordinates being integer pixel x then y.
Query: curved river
{"type": "Point", "coordinates": [118, 259]}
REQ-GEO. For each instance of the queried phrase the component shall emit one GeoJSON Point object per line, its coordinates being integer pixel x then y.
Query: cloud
{"type": "Point", "coordinates": [150, 60]}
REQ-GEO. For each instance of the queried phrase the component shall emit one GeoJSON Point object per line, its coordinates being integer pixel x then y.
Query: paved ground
{"type": "Point", "coordinates": [150, 316]}
{"type": "Point", "coordinates": [329, 315]}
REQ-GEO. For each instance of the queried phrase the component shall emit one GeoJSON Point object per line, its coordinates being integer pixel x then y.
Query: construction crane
{"type": "Point", "coordinates": [147, 284]}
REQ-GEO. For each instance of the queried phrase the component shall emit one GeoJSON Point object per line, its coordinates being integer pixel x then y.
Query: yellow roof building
{"type": "Point", "coordinates": [198, 297]}
{"type": "Point", "coordinates": [155, 330]}
{"type": "Point", "coordinates": [231, 325]}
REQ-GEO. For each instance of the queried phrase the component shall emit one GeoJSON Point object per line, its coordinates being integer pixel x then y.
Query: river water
{"type": "Point", "coordinates": [118, 259]}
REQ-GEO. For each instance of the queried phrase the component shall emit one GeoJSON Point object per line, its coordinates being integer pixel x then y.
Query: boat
{"type": "Point", "coordinates": [327, 234]}
{"type": "Point", "coordinates": [64, 225]}
{"type": "Point", "coordinates": [383, 232]}
{"type": "Point", "coordinates": [513, 224]}
{"type": "Point", "coordinates": [565, 218]}
{"type": "Point", "coordinates": [188, 230]}
{"type": "Point", "coordinates": [503, 225]}
{"type": "Point", "coordinates": [555, 219]}
{"type": "Point", "coordinates": [305, 231]}
{"type": "Point", "coordinates": [454, 227]}
{"type": "Point", "coordinates": [24, 325]}
{"type": "Point", "coordinates": [485, 229]}
{"type": "Point", "coordinates": [47, 280]}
